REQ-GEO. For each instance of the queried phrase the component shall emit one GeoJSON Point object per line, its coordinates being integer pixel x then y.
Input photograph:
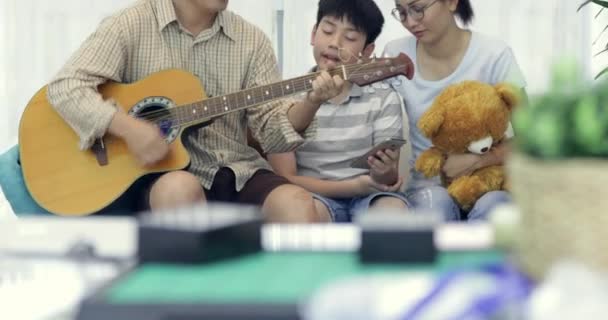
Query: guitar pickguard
{"type": "Point", "coordinates": [158, 110]}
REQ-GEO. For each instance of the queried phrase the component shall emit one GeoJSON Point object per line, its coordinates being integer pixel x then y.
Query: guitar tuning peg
{"type": "Point", "coordinates": [360, 58]}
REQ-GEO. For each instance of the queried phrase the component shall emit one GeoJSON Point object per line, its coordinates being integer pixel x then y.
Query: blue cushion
{"type": "Point", "coordinates": [15, 191]}
{"type": "Point", "coordinates": [13, 186]}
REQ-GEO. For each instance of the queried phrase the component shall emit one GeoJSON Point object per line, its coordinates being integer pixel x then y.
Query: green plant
{"type": "Point", "coordinates": [570, 120]}
{"type": "Point", "coordinates": [603, 4]}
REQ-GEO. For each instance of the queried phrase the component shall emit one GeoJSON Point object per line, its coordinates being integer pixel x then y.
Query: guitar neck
{"type": "Point", "coordinates": [195, 113]}
{"type": "Point", "coordinates": [364, 72]}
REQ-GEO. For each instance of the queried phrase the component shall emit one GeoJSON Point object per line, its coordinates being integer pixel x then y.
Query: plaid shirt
{"type": "Point", "coordinates": [230, 56]}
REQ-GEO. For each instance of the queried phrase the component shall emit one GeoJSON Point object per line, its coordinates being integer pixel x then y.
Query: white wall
{"type": "Point", "coordinates": [39, 35]}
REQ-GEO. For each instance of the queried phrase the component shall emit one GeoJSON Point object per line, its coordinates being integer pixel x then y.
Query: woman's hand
{"type": "Point", "coordinates": [458, 165]}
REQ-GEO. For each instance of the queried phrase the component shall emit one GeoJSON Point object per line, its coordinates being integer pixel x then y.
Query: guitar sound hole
{"type": "Point", "coordinates": [161, 116]}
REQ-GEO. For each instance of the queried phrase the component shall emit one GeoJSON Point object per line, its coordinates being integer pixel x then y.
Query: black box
{"type": "Point", "coordinates": [397, 237]}
{"type": "Point", "coordinates": [199, 234]}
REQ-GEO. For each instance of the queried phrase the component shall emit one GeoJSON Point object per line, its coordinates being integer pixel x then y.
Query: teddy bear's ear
{"type": "Point", "coordinates": [509, 94]}
{"type": "Point", "coordinates": [431, 120]}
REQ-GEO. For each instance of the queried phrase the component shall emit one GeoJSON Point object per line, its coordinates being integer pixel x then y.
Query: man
{"type": "Point", "coordinates": [349, 124]}
{"type": "Point", "coordinates": [228, 54]}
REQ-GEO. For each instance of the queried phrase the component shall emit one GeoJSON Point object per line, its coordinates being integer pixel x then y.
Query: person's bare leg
{"type": "Point", "coordinates": [176, 189]}
{"type": "Point", "coordinates": [388, 202]}
{"type": "Point", "coordinates": [322, 209]}
{"type": "Point", "coordinates": [289, 203]}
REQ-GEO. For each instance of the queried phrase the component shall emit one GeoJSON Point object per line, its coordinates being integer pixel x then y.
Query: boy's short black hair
{"type": "Point", "coordinates": [465, 11]}
{"type": "Point", "coordinates": [363, 14]}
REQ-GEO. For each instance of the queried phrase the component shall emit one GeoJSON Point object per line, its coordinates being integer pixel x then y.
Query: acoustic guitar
{"type": "Point", "coordinates": [68, 181]}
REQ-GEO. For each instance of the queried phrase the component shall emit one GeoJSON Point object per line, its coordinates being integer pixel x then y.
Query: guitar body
{"type": "Point", "coordinates": [68, 181]}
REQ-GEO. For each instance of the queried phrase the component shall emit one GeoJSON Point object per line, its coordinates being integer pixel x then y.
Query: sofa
{"type": "Point", "coordinates": [13, 186]}
{"type": "Point", "coordinates": [15, 191]}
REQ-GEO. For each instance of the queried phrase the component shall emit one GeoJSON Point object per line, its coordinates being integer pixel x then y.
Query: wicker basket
{"type": "Point", "coordinates": [564, 206]}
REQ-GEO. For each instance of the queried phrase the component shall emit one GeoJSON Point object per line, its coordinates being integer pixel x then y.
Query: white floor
{"type": "Point", "coordinates": [6, 212]}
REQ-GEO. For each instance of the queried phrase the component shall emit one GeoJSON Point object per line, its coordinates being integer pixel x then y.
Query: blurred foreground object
{"type": "Point", "coordinates": [558, 173]}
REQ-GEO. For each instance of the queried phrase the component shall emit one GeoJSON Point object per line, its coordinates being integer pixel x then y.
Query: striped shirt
{"type": "Point", "coordinates": [348, 130]}
{"type": "Point", "coordinates": [230, 56]}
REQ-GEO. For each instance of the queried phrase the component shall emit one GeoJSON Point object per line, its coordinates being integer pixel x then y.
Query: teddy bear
{"type": "Point", "coordinates": [469, 116]}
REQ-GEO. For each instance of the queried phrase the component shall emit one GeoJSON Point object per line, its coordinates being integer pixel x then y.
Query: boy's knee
{"type": "Point", "coordinates": [322, 209]}
{"type": "Point", "coordinates": [289, 203]}
{"type": "Point", "coordinates": [388, 202]}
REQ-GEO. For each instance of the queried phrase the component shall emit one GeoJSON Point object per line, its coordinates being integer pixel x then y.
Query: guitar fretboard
{"type": "Point", "coordinates": [216, 106]}
{"type": "Point", "coordinates": [362, 73]}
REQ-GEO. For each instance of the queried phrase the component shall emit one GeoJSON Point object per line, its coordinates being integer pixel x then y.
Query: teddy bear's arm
{"type": "Point", "coordinates": [492, 176]}
{"type": "Point", "coordinates": [468, 189]}
{"type": "Point", "coordinates": [430, 162]}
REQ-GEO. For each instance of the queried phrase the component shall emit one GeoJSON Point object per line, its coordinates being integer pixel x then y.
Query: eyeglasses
{"type": "Point", "coordinates": [415, 12]}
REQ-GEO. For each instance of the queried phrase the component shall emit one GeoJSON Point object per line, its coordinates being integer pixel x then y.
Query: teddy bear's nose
{"type": "Point", "coordinates": [484, 150]}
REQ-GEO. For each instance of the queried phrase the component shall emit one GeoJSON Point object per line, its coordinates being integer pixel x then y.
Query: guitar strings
{"type": "Point", "coordinates": [344, 55]}
{"type": "Point", "coordinates": [257, 95]}
{"type": "Point", "coordinates": [300, 78]}
{"type": "Point", "coordinates": [179, 123]}
{"type": "Point", "coordinates": [163, 113]}
{"type": "Point", "coordinates": [166, 114]}
{"type": "Point", "coordinates": [193, 122]}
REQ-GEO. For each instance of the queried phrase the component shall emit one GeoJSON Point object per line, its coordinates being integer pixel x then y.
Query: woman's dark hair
{"type": "Point", "coordinates": [464, 11]}
{"type": "Point", "coordinates": [363, 14]}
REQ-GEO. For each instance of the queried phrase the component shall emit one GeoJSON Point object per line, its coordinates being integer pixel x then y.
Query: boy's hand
{"type": "Point", "coordinates": [366, 185]}
{"type": "Point", "coordinates": [325, 87]}
{"type": "Point", "coordinates": [383, 166]}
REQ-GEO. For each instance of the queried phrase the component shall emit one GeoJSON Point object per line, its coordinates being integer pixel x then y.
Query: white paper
{"type": "Point", "coordinates": [45, 289]}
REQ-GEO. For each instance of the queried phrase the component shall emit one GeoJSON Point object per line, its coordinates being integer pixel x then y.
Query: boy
{"type": "Point", "coordinates": [350, 124]}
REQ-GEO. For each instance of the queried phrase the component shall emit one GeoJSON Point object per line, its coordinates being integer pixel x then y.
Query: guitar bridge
{"type": "Point", "coordinates": [100, 151]}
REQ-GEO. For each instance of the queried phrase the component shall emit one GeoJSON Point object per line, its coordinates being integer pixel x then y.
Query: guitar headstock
{"type": "Point", "coordinates": [372, 70]}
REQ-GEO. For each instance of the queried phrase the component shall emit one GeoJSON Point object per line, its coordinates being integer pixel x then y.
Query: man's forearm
{"type": "Point", "coordinates": [326, 188]}
{"type": "Point", "coordinates": [82, 108]}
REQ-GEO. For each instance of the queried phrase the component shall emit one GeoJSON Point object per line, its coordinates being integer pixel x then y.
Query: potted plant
{"type": "Point", "coordinates": [603, 4]}
{"type": "Point", "coordinates": [559, 174]}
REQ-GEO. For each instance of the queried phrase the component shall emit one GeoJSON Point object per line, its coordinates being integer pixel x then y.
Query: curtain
{"type": "Point", "coordinates": [540, 32]}
{"type": "Point", "coordinates": [38, 36]}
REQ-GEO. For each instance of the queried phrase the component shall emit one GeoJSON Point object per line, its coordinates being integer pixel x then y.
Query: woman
{"type": "Point", "coordinates": [446, 54]}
